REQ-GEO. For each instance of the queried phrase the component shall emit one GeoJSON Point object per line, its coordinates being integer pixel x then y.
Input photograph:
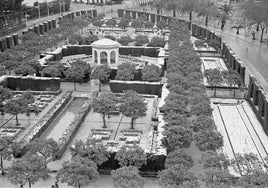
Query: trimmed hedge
{"type": "Point", "coordinates": [31, 83]}
{"type": "Point", "coordinates": [150, 88]}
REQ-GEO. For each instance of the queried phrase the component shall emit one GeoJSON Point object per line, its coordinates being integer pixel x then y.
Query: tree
{"type": "Point", "coordinates": [25, 70]}
{"type": "Point", "coordinates": [75, 39]}
{"type": "Point", "coordinates": [127, 176]}
{"type": "Point", "coordinates": [78, 172]}
{"type": "Point", "coordinates": [87, 40]}
{"type": "Point", "coordinates": [246, 164]}
{"type": "Point", "coordinates": [132, 106]}
{"type": "Point", "coordinates": [15, 107]}
{"type": "Point", "coordinates": [123, 23]}
{"type": "Point", "coordinates": [206, 9]}
{"type": "Point", "coordinates": [225, 11]}
{"type": "Point", "coordinates": [179, 157]}
{"type": "Point", "coordinates": [157, 42]}
{"type": "Point", "coordinates": [257, 178]}
{"type": "Point", "coordinates": [97, 23]}
{"type": "Point", "coordinates": [102, 73]}
{"type": "Point", "coordinates": [6, 151]}
{"type": "Point", "coordinates": [149, 24]}
{"type": "Point", "coordinates": [177, 137]}
{"type": "Point", "coordinates": [151, 73]}
{"type": "Point", "coordinates": [136, 24]}
{"type": "Point", "coordinates": [29, 169]}
{"type": "Point", "coordinates": [177, 176]}
{"type": "Point", "coordinates": [125, 40]}
{"type": "Point", "coordinates": [176, 119]}
{"type": "Point", "coordinates": [212, 159]}
{"type": "Point", "coordinates": [215, 177]}
{"type": "Point", "coordinates": [173, 5]}
{"type": "Point", "coordinates": [131, 156]}
{"type": "Point", "coordinates": [189, 6]}
{"type": "Point", "coordinates": [104, 104]}
{"type": "Point", "coordinates": [233, 78]}
{"type": "Point", "coordinates": [159, 5]}
{"type": "Point", "coordinates": [92, 150]}
{"type": "Point", "coordinates": [161, 24]}
{"type": "Point", "coordinates": [208, 140]}
{"type": "Point", "coordinates": [255, 13]}
{"type": "Point", "coordinates": [237, 27]}
{"type": "Point", "coordinates": [140, 40]}
{"type": "Point", "coordinates": [46, 148]}
{"type": "Point", "coordinates": [5, 94]}
{"type": "Point", "coordinates": [110, 37]}
{"type": "Point", "coordinates": [75, 73]}
{"type": "Point", "coordinates": [51, 71]}
{"type": "Point", "coordinates": [111, 23]}
{"type": "Point", "coordinates": [214, 78]}
{"type": "Point", "coordinates": [126, 71]}
{"type": "Point", "coordinates": [202, 123]}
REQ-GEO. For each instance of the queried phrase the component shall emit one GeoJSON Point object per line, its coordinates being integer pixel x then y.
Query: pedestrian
{"type": "Point", "coordinates": [56, 184]}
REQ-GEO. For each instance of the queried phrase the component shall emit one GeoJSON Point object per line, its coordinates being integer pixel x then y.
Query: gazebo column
{"type": "Point", "coordinates": [109, 58]}
{"type": "Point", "coordinates": [117, 56]}
{"type": "Point", "coordinates": [99, 61]}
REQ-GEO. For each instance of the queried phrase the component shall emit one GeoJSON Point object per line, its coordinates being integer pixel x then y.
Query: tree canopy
{"type": "Point", "coordinates": [78, 172]}
{"type": "Point", "coordinates": [131, 156]}
{"type": "Point", "coordinates": [127, 176]}
{"type": "Point", "coordinates": [133, 106]}
{"type": "Point", "coordinates": [104, 104]}
{"type": "Point", "coordinates": [91, 149]}
{"type": "Point", "coordinates": [151, 73]}
{"type": "Point", "coordinates": [126, 71]}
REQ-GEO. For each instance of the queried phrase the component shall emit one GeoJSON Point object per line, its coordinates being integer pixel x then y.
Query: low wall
{"type": "Point", "coordinates": [150, 88]}
{"type": "Point", "coordinates": [258, 100]}
{"type": "Point", "coordinates": [22, 83]}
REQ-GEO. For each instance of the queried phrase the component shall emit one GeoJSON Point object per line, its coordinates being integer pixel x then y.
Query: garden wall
{"type": "Point", "coordinates": [150, 88]}
{"type": "Point", "coordinates": [258, 100]}
{"type": "Point", "coordinates": [21, 83]}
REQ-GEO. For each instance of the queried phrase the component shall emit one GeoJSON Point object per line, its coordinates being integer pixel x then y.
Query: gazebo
{"type": "Point", "coordinates": [105, 51]}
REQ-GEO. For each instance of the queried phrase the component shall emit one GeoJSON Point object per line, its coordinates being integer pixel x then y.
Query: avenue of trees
{"type": "Point", "coordinates": [248, 14]}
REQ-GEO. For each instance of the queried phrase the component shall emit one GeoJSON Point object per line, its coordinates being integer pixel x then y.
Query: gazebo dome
{"type": "Point", "coordinates": [105, 43]}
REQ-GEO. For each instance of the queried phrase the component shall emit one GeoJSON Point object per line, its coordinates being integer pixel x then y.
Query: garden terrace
{"type": "Point", "coordinates": [241, 130]}
{"type": "Point", "coordinates": [118, 130]}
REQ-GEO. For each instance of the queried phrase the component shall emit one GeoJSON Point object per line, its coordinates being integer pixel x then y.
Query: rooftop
{"type": "Point", "coordinates": [105, 43]}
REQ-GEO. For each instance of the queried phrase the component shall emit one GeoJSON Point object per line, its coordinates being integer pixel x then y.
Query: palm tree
{"type": "Point", "coordinates": [237, 27]}
{"type": "Point", "coordinates": [173, 5]}
{"type": "Point", "coordinates": [206, 9]}
{"type": "Point", "coordinates": [159, 5]}
{"type": "Point", "coordinates": [189, 6]}
{"type": "Point", "coordinates": [225, 12]}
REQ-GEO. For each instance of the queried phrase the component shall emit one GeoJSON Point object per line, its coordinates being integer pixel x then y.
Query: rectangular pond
{"type": "Point", "coordinates": [64, 119]}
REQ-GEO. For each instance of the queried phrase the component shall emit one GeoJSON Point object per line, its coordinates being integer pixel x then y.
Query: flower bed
{"type": "Point", "coordinates": [43, 123]}
{"type": "Point", "coordinates": [71, 130]}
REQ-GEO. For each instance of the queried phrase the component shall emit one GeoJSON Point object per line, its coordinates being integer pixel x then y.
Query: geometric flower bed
{"type": "Point", "coordinates": [11, 132]}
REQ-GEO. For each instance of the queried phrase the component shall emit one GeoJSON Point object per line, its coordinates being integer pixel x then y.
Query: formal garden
{"type": "Point", "coordinates": [151, 110]}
